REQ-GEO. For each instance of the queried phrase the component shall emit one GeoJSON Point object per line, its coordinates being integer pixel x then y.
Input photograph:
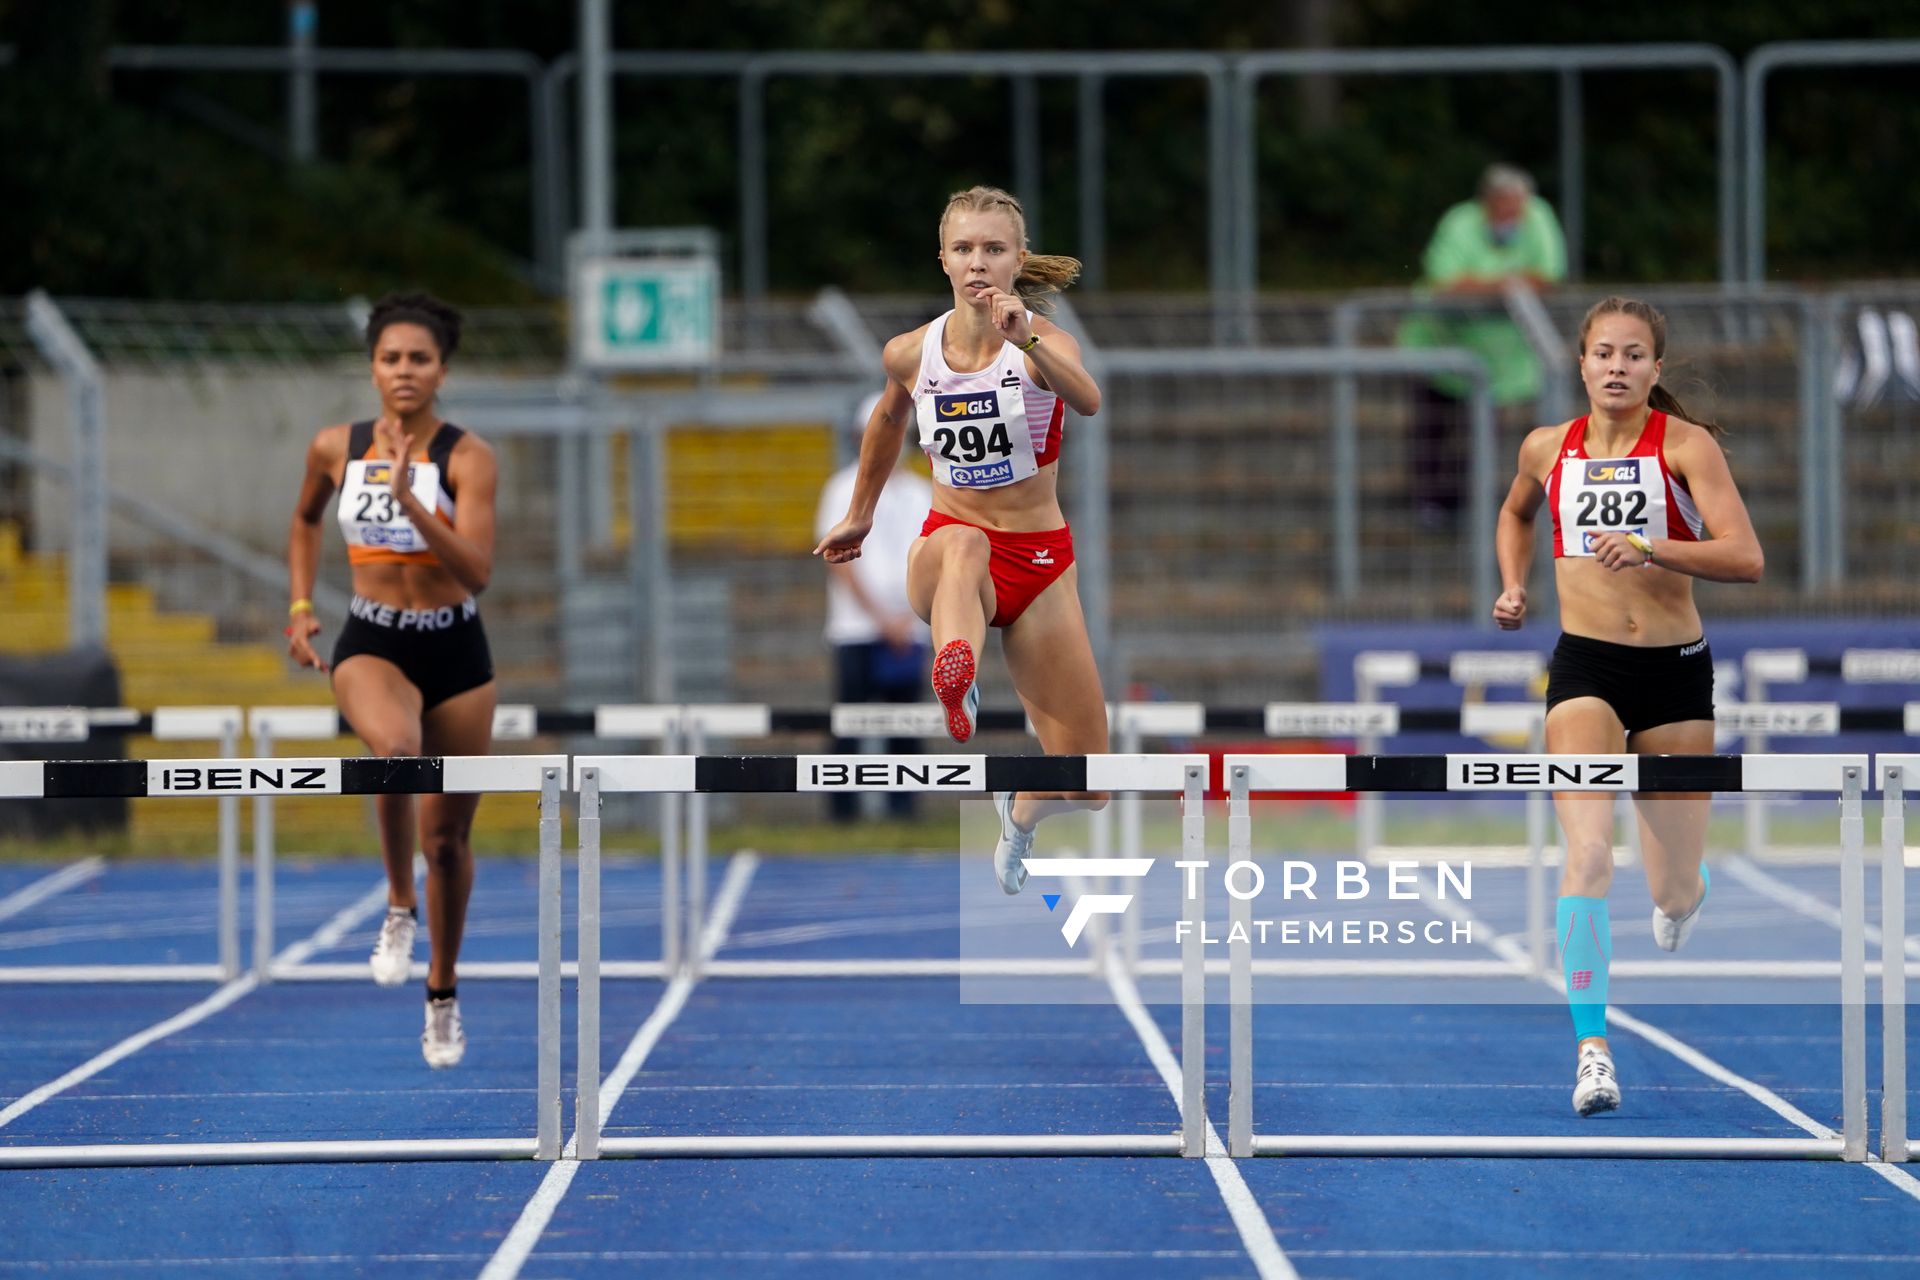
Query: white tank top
{"type": "Point", "coordinates": [986, 429]}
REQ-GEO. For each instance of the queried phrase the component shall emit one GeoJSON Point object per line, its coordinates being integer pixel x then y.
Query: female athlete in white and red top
{"type": "Point", "coordinates": [987, 384]}
{"type": "Point", "coordinates": [1642, 503]}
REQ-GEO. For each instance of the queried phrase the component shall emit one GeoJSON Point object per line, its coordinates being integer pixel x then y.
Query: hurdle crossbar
{"type": "Point", "coordinates": [696, 775]}
{"type": "Point", "coordinates": [1844, 774]}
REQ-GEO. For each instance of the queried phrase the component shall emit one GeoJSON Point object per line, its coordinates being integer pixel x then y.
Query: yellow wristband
{"type": "Point", "coordinates": [1642, 545]}
{"type": "Point", "coordinates": [302, 605]}
{"type": "Point", "coordinates": [1030, 343]}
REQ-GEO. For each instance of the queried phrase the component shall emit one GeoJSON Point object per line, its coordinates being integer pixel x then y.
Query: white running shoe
{"type": "Point", "coordinates": [443, 1043]}
{"type": "Point", "coordinates": [1594, 1086]}
{"type": "Point", "coordinates": [392, 958]}
{"type": "Point", "coordinates": [1669, 934]}
{"type": "Point", "coordinates": [1015, 844]}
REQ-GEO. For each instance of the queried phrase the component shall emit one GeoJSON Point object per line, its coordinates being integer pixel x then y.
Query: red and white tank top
{"type": "Point", "coordinates": [1634, 494]}
{"type": "Point", "coordinates": [986, 429]}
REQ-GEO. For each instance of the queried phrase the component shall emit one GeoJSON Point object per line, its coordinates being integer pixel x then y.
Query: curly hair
{"type": "Point", "coordinates": [423, 309]}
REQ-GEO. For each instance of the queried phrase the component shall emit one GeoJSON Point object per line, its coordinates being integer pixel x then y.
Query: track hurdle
{"type": "Point", "coordinates": [402, 775]}
{"type": "Point", "coordinates": [1842, 774]}
{"type": "Point", "coordinates": [595, 776]}
{"type": "Point", "coordinates": [512, 722]}
{"type": "Point", "coordinates": [219, 725]}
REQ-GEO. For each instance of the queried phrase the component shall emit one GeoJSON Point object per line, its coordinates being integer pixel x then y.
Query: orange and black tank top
{"type": "Point", "coordinates": [376, 530]}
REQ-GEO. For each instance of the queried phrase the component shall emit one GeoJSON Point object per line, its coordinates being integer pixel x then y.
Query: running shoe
{"type": "Point", "coordinates": [954, 685]}
{"type": "Point", "coordinates": [392, 958]}
{"type": "Point", "coordinates": [1594, 1087]}
{"type": "Point", "coordinates": [1016, 842]}
{"type": "Point", "coordinates": [1670, 934]}
{"type": "Point", "coordinates": [443, 1043]}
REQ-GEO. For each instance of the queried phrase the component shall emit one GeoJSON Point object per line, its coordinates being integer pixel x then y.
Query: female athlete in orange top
{"type": "Point", "coordinates": [411, 670]}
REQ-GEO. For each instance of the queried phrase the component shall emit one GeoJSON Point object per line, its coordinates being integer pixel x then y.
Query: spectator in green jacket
{"type": "Point", "coordinates": [1508, 235]}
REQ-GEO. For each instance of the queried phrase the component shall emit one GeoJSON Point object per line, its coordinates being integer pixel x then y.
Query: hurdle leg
{"type": "Point", "coordinates": [1193, 976]}
{"type": "Point", "coordinates": [1240, 973]}
{"type": "Point", "coordinates": [1893, 966]}
{"type": "Point", "coordinates": [1129, 807]}
{"type": "Point", "coordinates": [1536, 803]}
{"type": "Point", "coordinates": [1754, 803]}
{"type": "Point", "coordinates": [1100, 847]}
{"type": "Point", "coordinates": [547, 1101]}
{"type": "Point", "coordinates": [586, 1124]}
{"type": "Point", "coordinates": [1367, 818]}
{"type": "Point", "coordinates": [1853, 969]}
{"type": "Point", "coordinates": [671, 811]}
{"type": "Point", "coordinates": [263, 871]}
{"type": "Point", "coordinates": [696, 855]}
{"type": "Point", "coordinates": [229, 870]}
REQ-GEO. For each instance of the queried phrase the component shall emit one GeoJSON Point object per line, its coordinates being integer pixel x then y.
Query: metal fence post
{"type": "Point", "coordinates": [1345, 452]}
{"type": "Point", "coordinates": [1093, 165]}
{"type": "Point", "coordinates": [86, 403]}
{"type": "Point", "coordinates": [1573, 170]}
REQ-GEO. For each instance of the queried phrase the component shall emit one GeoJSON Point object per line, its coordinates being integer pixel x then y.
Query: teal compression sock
{"type": "Point", "coordinates": [1585, 935]}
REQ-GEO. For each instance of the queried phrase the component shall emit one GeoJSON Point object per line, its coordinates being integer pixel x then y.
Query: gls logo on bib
{"type": "Point", "coordinates": [983, 404]}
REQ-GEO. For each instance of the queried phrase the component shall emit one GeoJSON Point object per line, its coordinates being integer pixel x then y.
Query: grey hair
{"type": "Point", "coordinates": [1505, 177]}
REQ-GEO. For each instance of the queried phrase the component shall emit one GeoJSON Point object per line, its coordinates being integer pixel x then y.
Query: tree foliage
{"type": "Point", "coordinates": [166, 184]}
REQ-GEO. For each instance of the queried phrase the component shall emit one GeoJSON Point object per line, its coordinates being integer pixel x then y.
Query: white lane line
{"type": "Point", "coordinates": [519, 1244]}
{"type": "Point", "coordinates": [1685, 1052]}
{"type": "Point", "coordinates": [45, 887]}
{"type": "Point", "coordinates": [1256, 1233]}
{"type": "Point", "coordinates": [1770, 886]}
{"type": "Point", "coordinates": [333, 929]}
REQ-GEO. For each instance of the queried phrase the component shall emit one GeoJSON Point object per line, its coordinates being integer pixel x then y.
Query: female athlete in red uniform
{"type": "Point", "coordinates": [987, 384]}
{"type": "Point", "coordinates": [1633, 489]}
{"type": "Point", "coordinates": [411, 670]}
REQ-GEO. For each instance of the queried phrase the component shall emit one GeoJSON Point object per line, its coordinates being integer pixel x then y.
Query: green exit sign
{"type": "Point", "coordinates": [646, 311]}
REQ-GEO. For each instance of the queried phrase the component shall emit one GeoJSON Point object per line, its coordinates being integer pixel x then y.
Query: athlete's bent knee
{"type": "Point", "coordinates": [966, 548]}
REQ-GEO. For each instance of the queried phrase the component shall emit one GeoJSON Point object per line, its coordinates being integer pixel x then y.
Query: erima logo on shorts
{"type": "Point", "coordinates": [979, 404]}
{"type": "Point", "coordinates": [1614, 471]}
{"type": "Point", "coordinates": [981, 477]}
